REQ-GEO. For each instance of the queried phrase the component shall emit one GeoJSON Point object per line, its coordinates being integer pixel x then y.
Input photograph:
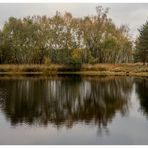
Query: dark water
{"type": "Point", "coordinates": [74, 110]}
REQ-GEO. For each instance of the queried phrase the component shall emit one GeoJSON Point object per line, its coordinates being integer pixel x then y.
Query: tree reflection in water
{"type": "Point", "coordinates": [64, 101]}
{"type": "Point", "coordinates": [142, 88]}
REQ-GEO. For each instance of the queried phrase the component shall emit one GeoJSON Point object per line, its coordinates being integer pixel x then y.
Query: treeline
{"type": "Point", "coordinates": [64, 39]}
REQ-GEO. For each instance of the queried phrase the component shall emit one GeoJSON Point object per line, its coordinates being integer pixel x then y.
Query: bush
{"type": "Point", "coordinates": [76, 56]}
{"type": "Point", "coordinates": [47, 61]}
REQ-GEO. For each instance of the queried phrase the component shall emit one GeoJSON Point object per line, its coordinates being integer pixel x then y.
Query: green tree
{"type": "Point", "coordinates": [142, 44]}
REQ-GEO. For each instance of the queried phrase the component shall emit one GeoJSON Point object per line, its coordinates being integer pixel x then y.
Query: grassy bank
{"type": "Point", "coordinates": [87, 69]}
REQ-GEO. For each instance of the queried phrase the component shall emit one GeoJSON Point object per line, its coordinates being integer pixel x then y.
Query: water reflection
{"type": "Point", "coordinates": [142, 88]}
{"type": "Point", "coordinates": [65, 101]}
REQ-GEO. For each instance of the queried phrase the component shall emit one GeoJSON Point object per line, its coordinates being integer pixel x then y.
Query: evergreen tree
{"type": "Point", "coordinates": [142, 44]}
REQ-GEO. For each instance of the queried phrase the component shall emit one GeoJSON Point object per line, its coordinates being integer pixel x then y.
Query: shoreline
{"type": "Point", "coordinates": [83, 73]}
{"type": "Point", "coordinates": [137, 69]}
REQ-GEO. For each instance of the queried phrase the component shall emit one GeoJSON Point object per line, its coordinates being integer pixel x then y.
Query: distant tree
{"type": "Point", "coordinates": [142, 44]}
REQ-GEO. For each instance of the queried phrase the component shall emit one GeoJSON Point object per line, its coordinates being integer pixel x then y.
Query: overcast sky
{"type": "Point", "coordinates": [133, 15]}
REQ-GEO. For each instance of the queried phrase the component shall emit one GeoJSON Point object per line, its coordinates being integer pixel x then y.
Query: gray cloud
{"type": "Point", "coordinates": [133, 15]}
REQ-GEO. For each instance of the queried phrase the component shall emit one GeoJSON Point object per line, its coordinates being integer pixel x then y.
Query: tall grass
{"type": "Point", "coordinates": [86, 68]}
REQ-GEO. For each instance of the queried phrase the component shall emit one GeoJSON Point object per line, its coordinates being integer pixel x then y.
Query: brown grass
{"type": "Point", "coordinates": [137, 69]}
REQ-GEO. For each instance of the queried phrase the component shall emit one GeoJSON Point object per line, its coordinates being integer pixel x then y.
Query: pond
{"type": "Point", "coordinates": [74, 110]}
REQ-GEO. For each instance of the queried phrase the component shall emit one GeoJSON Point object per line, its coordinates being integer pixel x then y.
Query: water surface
{"type": "Point", "coordinates": [74, 110]}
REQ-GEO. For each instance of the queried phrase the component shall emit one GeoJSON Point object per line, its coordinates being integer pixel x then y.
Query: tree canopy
{"type": "Point", "coordinates": [64, 39]}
